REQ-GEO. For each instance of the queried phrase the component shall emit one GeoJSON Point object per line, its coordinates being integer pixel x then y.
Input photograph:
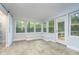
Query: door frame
{"type": "Point", "coordinates": [60, 19]}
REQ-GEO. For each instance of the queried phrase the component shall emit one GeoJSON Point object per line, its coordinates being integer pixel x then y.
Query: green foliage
{"type": "Point", "coordinates": [44, 27]}
{"type": "Point", "coordinates": [20, 26]}
{"type": "Point", "coordinates": [76, 33]}
{"type": "Point", "coordinates": [61, 27]}
{"type": "Point", "coordinates": [61, 36]}
{"type": "Point", "coordinates": [75, 25]}
{"type": "Point", "coordinates": [75, 20]}
{"type": "Point", "coordinates": [51, 26]}
{"type": "Point", "coordinates": [30, 27]}
{"type": "Point", "coordinates": [38, 27]}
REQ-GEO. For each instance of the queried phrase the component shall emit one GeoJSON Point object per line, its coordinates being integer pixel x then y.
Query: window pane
{"type": "Point", "coordinates": [20, 26]}
{"type": "Point", "coordinates": [61, 27]}
{"type": "Point", "coordinates": [51, 26]}
{"type": "Point", "coordinates": [38, 27]}
{"type": "Point", "coordinates": [30, 27]}
{"type": "Point", "coordinates": [61, 36]}
{"type": "Point", "coordinates": [75, 33]}
{"type": "Point", "coordinates": [75, 24]}
{"type": "Point", "coordinates": [75, 19]}
{"type": "Point", "coordinates": [44, 27]}
{"type": "Point", "coordinates": [74, 27]}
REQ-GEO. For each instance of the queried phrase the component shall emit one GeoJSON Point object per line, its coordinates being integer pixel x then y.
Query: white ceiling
{"type": "Point", "coordinates": [36, 11]}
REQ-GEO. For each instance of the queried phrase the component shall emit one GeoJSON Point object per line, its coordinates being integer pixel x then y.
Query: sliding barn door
{"type": "Point", "coordinates": [9, 31]}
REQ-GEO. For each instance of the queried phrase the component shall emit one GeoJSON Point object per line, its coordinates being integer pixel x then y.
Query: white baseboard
{"type": "Point", "coordinates": [34, 39]}
{"type": "Point", "coordinates": [26, 39]}
{"type": "Point", "coordinates": [18, 39]}
{"type": "Point", "coordinates": [73, 48]}
{"type": "Point", "coordinates": [49, 40]}
{"type": "Point", "coordinates": [53, 40]}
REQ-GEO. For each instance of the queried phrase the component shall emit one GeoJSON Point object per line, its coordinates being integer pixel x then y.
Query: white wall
{"type": "Point", "coordinates": [73, 43]}
{"type": "Point", "coordinates": [3, 23]}
{"type": "Point", "coordinates": [27, 36]}
{"type": "Point", "coordinates": [3, 27]}
{"type": "Point", "coordinates": [49, 36]}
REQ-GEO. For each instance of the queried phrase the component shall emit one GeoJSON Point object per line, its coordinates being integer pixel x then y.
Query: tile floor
{"type": "Point", "coordinates": [36, 47]}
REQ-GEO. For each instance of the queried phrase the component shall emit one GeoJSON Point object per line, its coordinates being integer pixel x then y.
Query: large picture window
{"type": "Point", "coordinates": [75, 24]}
{"type": "Point", "coordinates": [38, 27]}
{"type": "Point", "coordinates": [30, 27]}
{"type": "Point", "coordinates": [20, 26]}
{"type": "Point", "coordinates": [51, 26]}
{"type": "Point", "coordinates": [44, 27]}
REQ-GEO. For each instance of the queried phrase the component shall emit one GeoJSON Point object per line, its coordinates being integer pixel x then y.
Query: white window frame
{"type": "Point", "coordinates": [70, 14]}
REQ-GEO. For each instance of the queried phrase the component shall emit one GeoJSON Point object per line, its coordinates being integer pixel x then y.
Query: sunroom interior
{"type": "Point", "coordinates": [29, 23]}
